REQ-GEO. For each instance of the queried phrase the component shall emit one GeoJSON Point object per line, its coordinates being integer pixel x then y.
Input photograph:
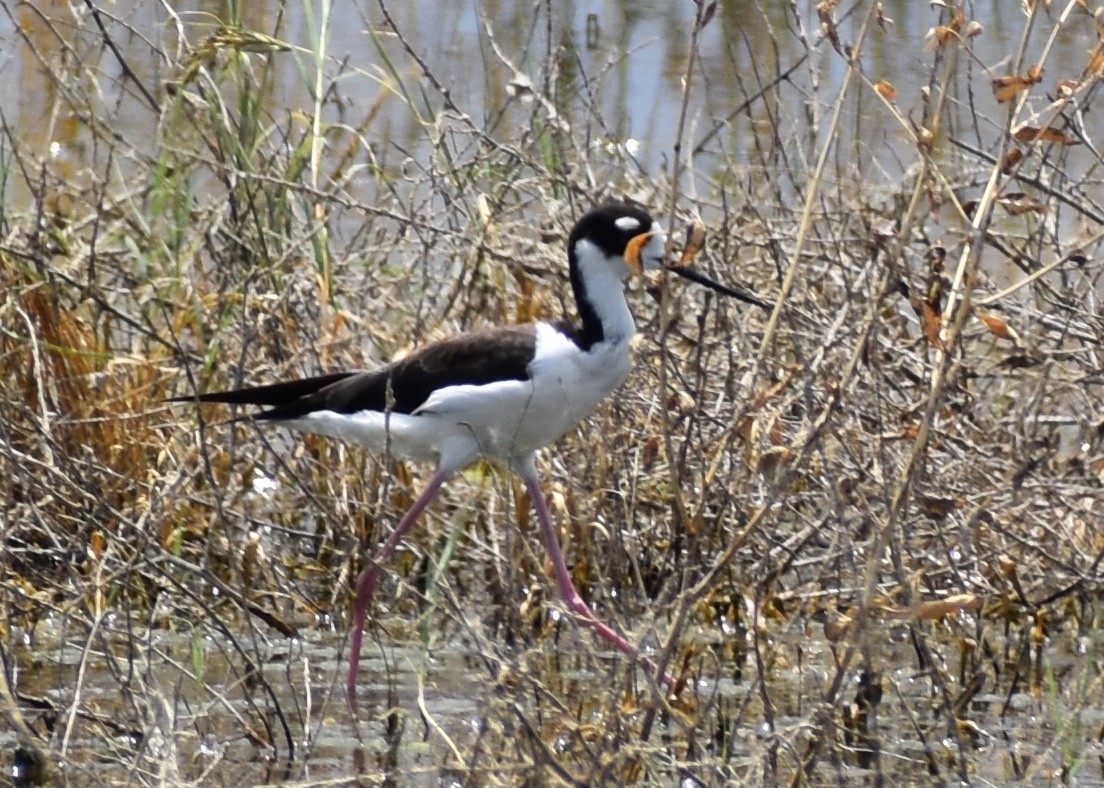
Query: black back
{"type": "Point", "coordinates": [474, 358]}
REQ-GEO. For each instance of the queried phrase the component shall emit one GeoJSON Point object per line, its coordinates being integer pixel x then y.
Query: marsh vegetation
{"type": "Point", "coordinates": [864, 529]}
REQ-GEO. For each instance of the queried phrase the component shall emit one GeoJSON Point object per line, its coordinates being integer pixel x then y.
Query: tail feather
{"type": "Point", "coordinates": [278, 396]}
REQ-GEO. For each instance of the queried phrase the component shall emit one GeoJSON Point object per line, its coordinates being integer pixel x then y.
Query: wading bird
{"type": "Point", "coordinates": [498, 394]}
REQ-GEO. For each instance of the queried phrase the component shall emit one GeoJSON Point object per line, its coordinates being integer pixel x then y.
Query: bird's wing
{"type": "Point", "coordinates": [471, 359]}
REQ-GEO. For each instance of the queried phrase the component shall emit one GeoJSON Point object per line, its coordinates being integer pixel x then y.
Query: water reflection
{"type": "Point", "coordinates": [617, 73]}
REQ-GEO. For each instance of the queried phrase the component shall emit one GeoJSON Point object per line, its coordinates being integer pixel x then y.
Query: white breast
{"type": "Point", "coordinates": [504, 421]}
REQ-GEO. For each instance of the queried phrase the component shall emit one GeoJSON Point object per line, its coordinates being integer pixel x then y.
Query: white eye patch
{"type": "Point", "coordinates": [627, 223]}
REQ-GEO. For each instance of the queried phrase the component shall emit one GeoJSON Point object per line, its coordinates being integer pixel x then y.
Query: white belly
{"type": "Point", "coordinates": [512, 419]}
{"type": "Point", "coordinates": [504, 421]}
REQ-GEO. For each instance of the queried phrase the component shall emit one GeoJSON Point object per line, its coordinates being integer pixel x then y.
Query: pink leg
{"type": "Point", "coordinates": [366, 583]}
{"type": "Point", "coordinates": [567, 588]}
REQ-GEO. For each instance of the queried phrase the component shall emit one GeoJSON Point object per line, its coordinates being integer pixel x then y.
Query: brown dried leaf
{"type": "Point", "coordinates": [936, 508]}
{"type": "Point", "coordinates": [695, 240]}
{"type": "Point", "coordinates": [824, 10]}
{"type": "Point", "coordinates": [777, 433]}
{"type": "Point", "coordinates": [1046, 134]}
{"type": "Point", "coordinates": [932, 323]}
{"type": "Point", "coordinates": [96, 544]}
{"type": "Point", "coordinates": [1018, 203]}
{"type": "Point", "coordinates": [837, 625]}
{"type": "Point", "coordinates": [680, 401]}
{"type": "Point", "coordinates": [940, 608]}
{"type": "Point", "coordinates": [939, 36]}
{"type": "Point", "coordinates": [925, 138]}
{"type": "Point", "coordinates": [996, 325]}
{"type": "Point", "coordinates": [771, 392]}
{"type": "Point", "coordinates": [747, 429]}
{"type": "Point", "coordinates": [252, 556]}
{"type": "Point", "coordinates": [1011, 159]}
{"type": "Point", "coordinates": [886, 89]}
{"type": "Point", "coordinates": [772, 460]}
{"type": "Point", "coordinates": [1067, 87]}
{"type": "Point", "coordinates": [1006, 566]}
{"type": "Point", "coordinates": [1007, 88]}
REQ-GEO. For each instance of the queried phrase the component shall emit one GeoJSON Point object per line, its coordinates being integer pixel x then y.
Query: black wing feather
{"type": "Point", "coordinates": [271, 394]}
{"type": "Point", "coordinates": [475, 358]}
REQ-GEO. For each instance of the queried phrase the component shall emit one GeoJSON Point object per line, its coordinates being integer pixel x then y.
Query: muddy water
{"type": "Point", "coordinates": [426, 709]}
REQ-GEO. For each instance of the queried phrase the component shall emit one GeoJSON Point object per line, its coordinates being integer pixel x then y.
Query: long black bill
{"type": "Point", "coordinates": [740, 293]}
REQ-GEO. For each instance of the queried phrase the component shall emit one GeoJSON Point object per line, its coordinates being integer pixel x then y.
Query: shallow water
{"type": "Point", "coordinates": [424, 710]}
{"type": "Point", "coordinates": [630, 58]}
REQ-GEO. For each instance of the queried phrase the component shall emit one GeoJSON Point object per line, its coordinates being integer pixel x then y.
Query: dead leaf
{"type": "Point", "coordinates": [824, 10]}
{"type": "Point", "coordinates": [932, 323]}
{"type": "Point", "coordinates": [1007, 88]}
{"type": "Point", "coordinates": [680, 401]}
{"type": "Point", "coordinates": [772, 460]}
{"type": "Point", "coordinates": [937, 508]}
{"type": "Point", "coordinates": [939, 36]}
{"type": "Point", "coordinates": [1067, 87]}
{"type": "Point", "coordinates": [777, 433]}
{"type": "Point", "coordinates": [97, 544]}
{"type": "Point", "coordinates": [837, 625]}
{"type": "Point", "coordinates": [941, 608]}
{"type": "Point", "coordinates": [695, 240]}
{"type": "Point", "coordinates": [1018, 203]}
{"type": "Point", "coordinates": [886, 89]}
{"type": "Point", "coordinates": [252, 557]}
{"type": "Point", "coordinates": [1046, 134]}
{"type": "Point", "coordinates": [1011, 159]}
{"type": "Point", "coordinates": [925, 139]}
{"type": "Point", "coordinates": [929, 309]}
{"type": "Point", "coordinates": [997, 326]}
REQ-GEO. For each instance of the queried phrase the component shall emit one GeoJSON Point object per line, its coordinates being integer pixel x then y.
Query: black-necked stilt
{"type": "Point", "coordinates": [498, 393]}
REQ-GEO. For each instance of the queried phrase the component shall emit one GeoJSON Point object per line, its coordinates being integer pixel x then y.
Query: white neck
{"type": "Point", "coordinates": [599, 283]}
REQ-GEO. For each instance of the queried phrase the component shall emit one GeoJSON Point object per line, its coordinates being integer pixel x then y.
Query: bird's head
{"type": "Point", "coordinates": [622, 235]}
